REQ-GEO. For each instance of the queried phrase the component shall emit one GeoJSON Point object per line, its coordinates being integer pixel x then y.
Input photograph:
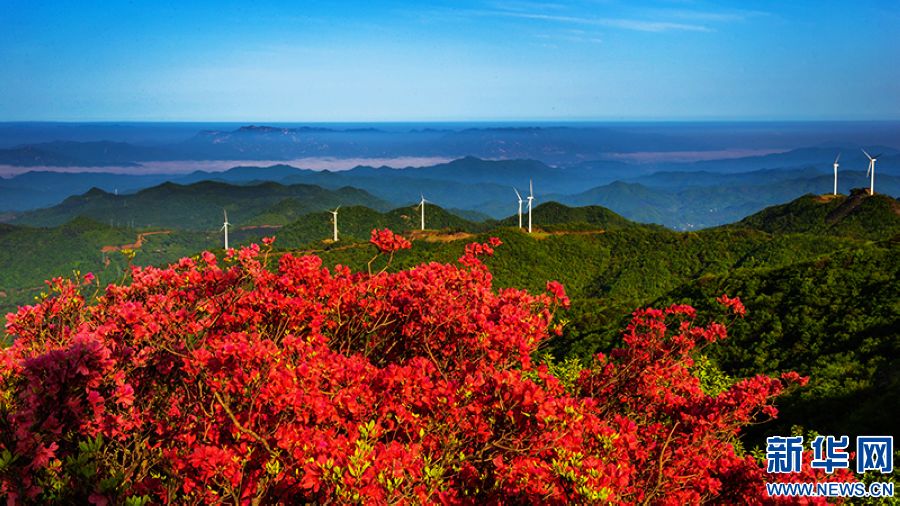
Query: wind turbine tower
{"type": "Point", "coordinates": [334, 221]}
{"type": "Point", "coordinates": [835, 172]}
{"type": "Point", "coordinates": [225, 227]}
{"type": "Point", "coordinates": [871, 171]}
{"type": "Point", "coordinates": [422, 209]}
{"type": "Point", "coordinates": [530, 199]}
{"type": "Point", "coordinates": [520, 206]}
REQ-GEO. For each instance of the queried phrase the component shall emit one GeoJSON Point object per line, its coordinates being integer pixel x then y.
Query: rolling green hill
{"type": "Point", "coordinates": [638, 202]}
{"type": "Point", "coordinates": [355, 223]}
{"type": "Point", "coordinates": [197, 206]}
{"type": "Point", "coordinates": [687, 201]}
{"type": "Point", "coordinates": [80, 243]}
{"type": "Point", "coordinates": [858, 215]}
{"type": "Point", "coordinates": [556, 216]}
{"type": "Point", "coordinates": [29, 256]}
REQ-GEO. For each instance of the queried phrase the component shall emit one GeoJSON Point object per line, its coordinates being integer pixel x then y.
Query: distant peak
{"type": "Point", "coordinates": [261, 129]}
{"type": "Point", "coordinates": [95, 192]}
{"type": "Point", "coordinates": [265, 129]}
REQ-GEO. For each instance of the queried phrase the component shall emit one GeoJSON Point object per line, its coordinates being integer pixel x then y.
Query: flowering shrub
{"type": "Point", "coordinates": [734, 304]}
{"type": "Point", "coordinates": [208, 383]}
{"type": "Point", "coordinates": [388, 242]}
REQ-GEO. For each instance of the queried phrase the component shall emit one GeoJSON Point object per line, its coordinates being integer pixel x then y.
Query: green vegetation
{"type": "Point", "coordinates": [555, 216]}
{"type": "Point", "coordinates": [858, 215]}
{"type": "Point", "coordinates": [199, 206]}
{"type": "Point", "coordinates": [356, 223]}
{"type": "Point", "coordinates": [29, 256]}
{"type": "Point", "coordinates": [834, 319]}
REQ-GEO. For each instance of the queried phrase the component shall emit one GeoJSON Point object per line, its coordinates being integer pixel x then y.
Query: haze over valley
{"type": "Point", "coordinates": [677, 175]}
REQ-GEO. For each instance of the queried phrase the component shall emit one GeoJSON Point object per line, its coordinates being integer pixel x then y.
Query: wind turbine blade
{"type": "Point", "coordinates": [837, 158]}
{"type": "Point", "coordinates": [530, 188]}
{"type": "Point", "coordinates": [517, 193]}
{"type": "Point", "coordinates": [876, 157]}
{"type": "Point", "coordinates": [867, 154]}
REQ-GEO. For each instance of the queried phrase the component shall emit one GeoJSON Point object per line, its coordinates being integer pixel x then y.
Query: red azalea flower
{"type": "Point", "coordinates": [388, 242]}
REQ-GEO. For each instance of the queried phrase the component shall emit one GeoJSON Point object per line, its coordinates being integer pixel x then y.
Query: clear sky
{"type": "Point", "coordinates": [455, 60]}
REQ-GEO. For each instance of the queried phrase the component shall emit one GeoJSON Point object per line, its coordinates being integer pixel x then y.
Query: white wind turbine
{"type": "Point", "coordinates": [422, 209]}
{"type": "Point", "coordinates": [520, 205]}
{"type": "Point", "coordinates": [530, 199]}
{"type": "Point", "coordinates": [872, 160]}
{"type": "Point", "coordinates": [225, 227]}
{"type": "Point", "coordinates": [334, 213]}
{"type": "Point", "coordinates": [835, 172]}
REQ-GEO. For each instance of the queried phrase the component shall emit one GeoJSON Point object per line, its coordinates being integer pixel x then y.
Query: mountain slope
{"type": "Point", "coordinates": [84, 154]}
{"type": "Point", "coordinates": [355, 223]}
{"type": "Point", "coordinates": [399, 185]}
{"type": "Point", "coordinates": [835, 318]}
{"type": "Point", "coordinates": [555, 216]}
{"type": "Point", "coordinates": [698, 206]}
{"type": "Point", "coordinates": [29, 255]}
{"type": "Point", "coordinates": [635, 201]}
{"type": "Point", "coordinates": [196, 206]}
{"type": "Point", "coordinates": [858, 215]}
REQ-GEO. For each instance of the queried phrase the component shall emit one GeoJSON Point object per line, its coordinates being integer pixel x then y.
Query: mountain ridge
{"type": "Point", "coordinates": [858, 215]}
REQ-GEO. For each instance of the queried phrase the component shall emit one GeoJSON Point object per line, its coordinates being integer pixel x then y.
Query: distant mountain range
{"type": "Point", "coordinates": [260, 142]}
{"type": "Point", "coordinates": [557, 145]}
{"type": "Point", "coordinates": [83, 154]}
{"type": "Point", "coordinates": [697, 195]}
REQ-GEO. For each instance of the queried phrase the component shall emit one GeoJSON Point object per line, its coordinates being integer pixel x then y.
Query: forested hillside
{"type": "Point", "coordinates": [197, 206]}
{"type": "Point", "coordinates": [835, 318]}
{"type": "Point", "coordinates": [858, 215]}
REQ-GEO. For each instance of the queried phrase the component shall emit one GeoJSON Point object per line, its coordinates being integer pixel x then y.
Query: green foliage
{"type": "Point", "coordinates": [712, 379]}
{"type": "Point", "coordinates": [567, 371]}
{"type": "Point", "coordinates": [835, 319]}
{"type": "Point", "coordinates": [29, 256]}
{"type": "Point", "coordinates": [859, 215]}
{"type": "Point", "coordinates": [199, 206]}
{"type": "Point", "coordinates": [355, 223]}
{"type": "Point", "coordinates": [555, 216]}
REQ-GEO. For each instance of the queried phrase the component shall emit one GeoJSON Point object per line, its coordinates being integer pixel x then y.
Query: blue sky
{"type": "Point", "coordinates": [445, 61]}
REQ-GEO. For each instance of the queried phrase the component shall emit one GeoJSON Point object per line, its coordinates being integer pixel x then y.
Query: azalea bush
{"type": "Point", "coordinates": [236, 381]}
